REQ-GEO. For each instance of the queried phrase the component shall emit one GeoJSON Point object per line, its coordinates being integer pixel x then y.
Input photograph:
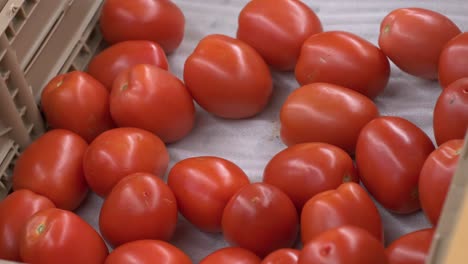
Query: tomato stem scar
{"type": "Point", "coordinates": [387, 28]}
{"type": "Point", "coordinates": [60, 83]}
{"type": "Point", "coordinates": [124, 87]}
{"type": "Point", "coordinates": [40, 229]}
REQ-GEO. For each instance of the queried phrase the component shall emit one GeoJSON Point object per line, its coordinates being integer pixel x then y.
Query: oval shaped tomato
{"type": "Point", "coordinates": [282, 256]}
{"type": "Point", "coordinates": [450, 118]}
{"type": "Point", "coordinates": [160, 21]}
{"type": "Point", "coordinates": [106, 65]}
{"type": "Point", "coordinates": [52, 166]}
{"type": "Point", "coordinates": [209, 179]}
{"type": "Point", "coordinates": [119, 152]}
{"type": "Point", "coordinates": [228, 78]}
{"type": "Point", "coordinates": [286, 23]}
{"type": "Point", "coordinates": [390, 153]}
{"type": "Point", "coordinates": [306, 169]}
{"type": "Point", "coordinates": [260, 218]}
{"type": "Point", "coordinates": [344, 59]}
{"type": "Point", "coordinates": [60, 236]}
{"type": "Point", "coordinates": [413, 39]}
{"type": "Point", "coordinates": [349, 204]}
{"type": "Point", "coordinates": [231, 255]}
{"type": "Point", "coordinates": [322, 112]}
{"type": "Point", "coordinates": [452, 61]}
{"type": "Point", "coordinates": [412, 248]}
{"type": "Point", "coordinates": [344, 245]}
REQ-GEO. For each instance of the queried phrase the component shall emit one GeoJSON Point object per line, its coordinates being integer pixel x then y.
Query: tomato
{"type": "Point", "coordinates": [228, 78]}
{"type": "Point", "coordinates": [231, 255]}
{"type": "Point", "coordinates": [322, 112]}
{"type": "Point", "coordinates": [119, 152]}
{"type": "Point", "coordinates": [450, 118]}
{"type": "Point", "coordinates": [261, 218]}
{"type": "Point", "coordinates": [452, 61]}
{"type": "Point", "coordinates": [160, 21]}
{"type": "Point", "coordinates": [436, 176]}
{"type": "Point", "coordinates": [413, 39]}
{"type": "Point", "coordinates": [151, 98]}
{"type": "Point", "coordinates": [286, 23]}
{"type": "Point", "coordinates": [282, 256]}
{"type": "Point", "coordinates": [59, 236]}
{"type": "Point", "coordinates": [203, 187]}
{"type": "Point", "coordinates": [412, 248]}
{"type": "Point", "coordinates": [143, 200]}
{"type": "Point", "coordinates": [344, 245]}
{"type": "Point", "coordinates": [390, 153]}
{"type": "Point", "coordinates": [344, 59]}
{"type": "Point", "coordinates": [306, 169]}
{"type": "Point", "coordinates": [106, 65]}
{"type": "Point", "coordinates": [349, 204]}
{"type": "Point", "coordinates": [48, 167]}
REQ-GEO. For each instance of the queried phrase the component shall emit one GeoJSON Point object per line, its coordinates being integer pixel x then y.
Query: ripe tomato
{"type": "Point", "coordinates": [306, 169]}
{"type": "Point", "coordinates": [451, 112]}
{"type": "Point", "coordinates": [119, 152]}
{"type": "Point", "coordinates": [436, 176]}
{"type": "Point", "coordinates": [48, 167]}
{"type": "Point", "coordinates": [106, 65]}
{"type": "Point", "coordinates": [452, 61]}
{"type": "Point", "coordinates": [160, 21]}
{"type": "Point", "coordinates": [344, 245]}
{"type": "Point", "coordinates": [228, 78]}
{"type": "Point", "coordinates": [231, 255]}
{"type": "Point", "coordinates": [15, 210]}
{"type": "Point", "coordinates": [286, 23]}
{"type": "Point", "coordinates": [413, 39]}
{"type": "Point", "coordinates": [349, 204]}
{"type": "Point", "coordinates": [151, 98]}
{"type": "Point", "coordinates": [412, 248]}
{"type": "Point", "coordinates": [282, 256]}
{"type": "Point", "coordinates": [322, 112]}
{"type": "Point", "coordinates": [260, 218]}
{"type": "Point", "coordinates": [59, 236]}
{"type": "Point", "coordinates": [212, 180]}
{"type": "Point", "coordinates": [143, 200]}
{"type": "Point", "coordinates": [390, 153]}
{"type": "Point", "coordinates": [344, 59]}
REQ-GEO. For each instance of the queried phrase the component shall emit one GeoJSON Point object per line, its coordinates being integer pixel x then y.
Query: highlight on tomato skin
{"type": "Point", "coordinates": [283, 256]}
{"type": "Point", "coordinates": [231, 255]}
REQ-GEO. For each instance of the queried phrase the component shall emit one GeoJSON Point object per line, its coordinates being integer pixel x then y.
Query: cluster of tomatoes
{"type": "Point", "coordinates": [110, 126]}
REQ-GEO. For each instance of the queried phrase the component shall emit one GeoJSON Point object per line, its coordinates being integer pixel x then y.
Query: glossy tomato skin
{"type": "Point", "coordinates": [413, 39]}
{"type": "Point", "coordinates": [228, 78]}
{"type": "Point", "coordinates": [452, 61]}
{"type": "Point", "coordinates": [119, 152]}
{"type": "Point", "coordinates": [390, 153]}
{"type": "Point", "coordinates": [344, 59]}
{"type": "Point", "coordinates": [306, 169]}
{"type": "Point", "coordinates": [436, 176]}
{"type": "Point", "coordinates": [48, 167]}
{"type": "Point", "coordinates": [322, 112]}
{"type": "Point", "coordinates": [212, 180]}
{"type": "Point", "coordinates": [286, 23]}
{"type": "Point", "coordinates": [450, 118]}
{"type": "Point", "coordinates": [283, 256]}
{"type": "Point", "coordinates": [412, 248]}
{"type": "Point", "coordinates": [160, 21]}
{"type": "Point", "coordinates": [106, 65]}
{"type": "Point", "coordinates": [60, 236]}
{"type": "Point", "coordinates": [349, 204]}
{"type": "Point", "coordinates": [231, 255]}
{"type": "Point", "coordinates": [261, 218]}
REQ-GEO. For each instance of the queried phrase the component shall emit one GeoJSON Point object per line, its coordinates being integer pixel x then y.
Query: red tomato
{"type": "Point", "coordinates": [452, 61]}
{"type": "Point", "coordinates": [119, 152]}
{"type": "Point", "coordinates": [306, 169]}
{"type": "Point", "coordinates": [52, 166]}
{"type": "Point", "coordinates": [412, 248]}
{"type": "Point", "coordinates": [160, 21]}
{"type": "Point", "coordinates": [260, 218]}
{"type": "Point", "coordinates": [349, 204]}
{"type": "Point", "coordinates": [322, 112]}
{"type": "Point", "coordinates": [151, 98]}
{"type": "Point", "coordinates": [212, 180]}
{"type": "Point", "coordinates": [59, 236]}
{"type": "Point", "coordinates": [451, 112]}
{"type": "Point", "coordinates": [106, 65]}
{"type": "Point", "coordinates": [413, 39]}
{"type": "Point", "coordinates": [390, 153]}
{"type": "Point", "coordinates": [231, 255]}
{"type": "Point", "coordinates": [344, 245]}
{"type": "Point", "coordinates": [344, 59]}
{"type": "Point", "coordinates": [15, 210]}
{"type": "Point", "coordinates": [228, 78]}
{"type": "Point", "coordinates": [143, 200]}
{"type": "Point", "coordinates": [436, 176]}
{"type": "Point", "coordinates": [286, 23]}
{"type": "Point", "coordinates": [282, 256]}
